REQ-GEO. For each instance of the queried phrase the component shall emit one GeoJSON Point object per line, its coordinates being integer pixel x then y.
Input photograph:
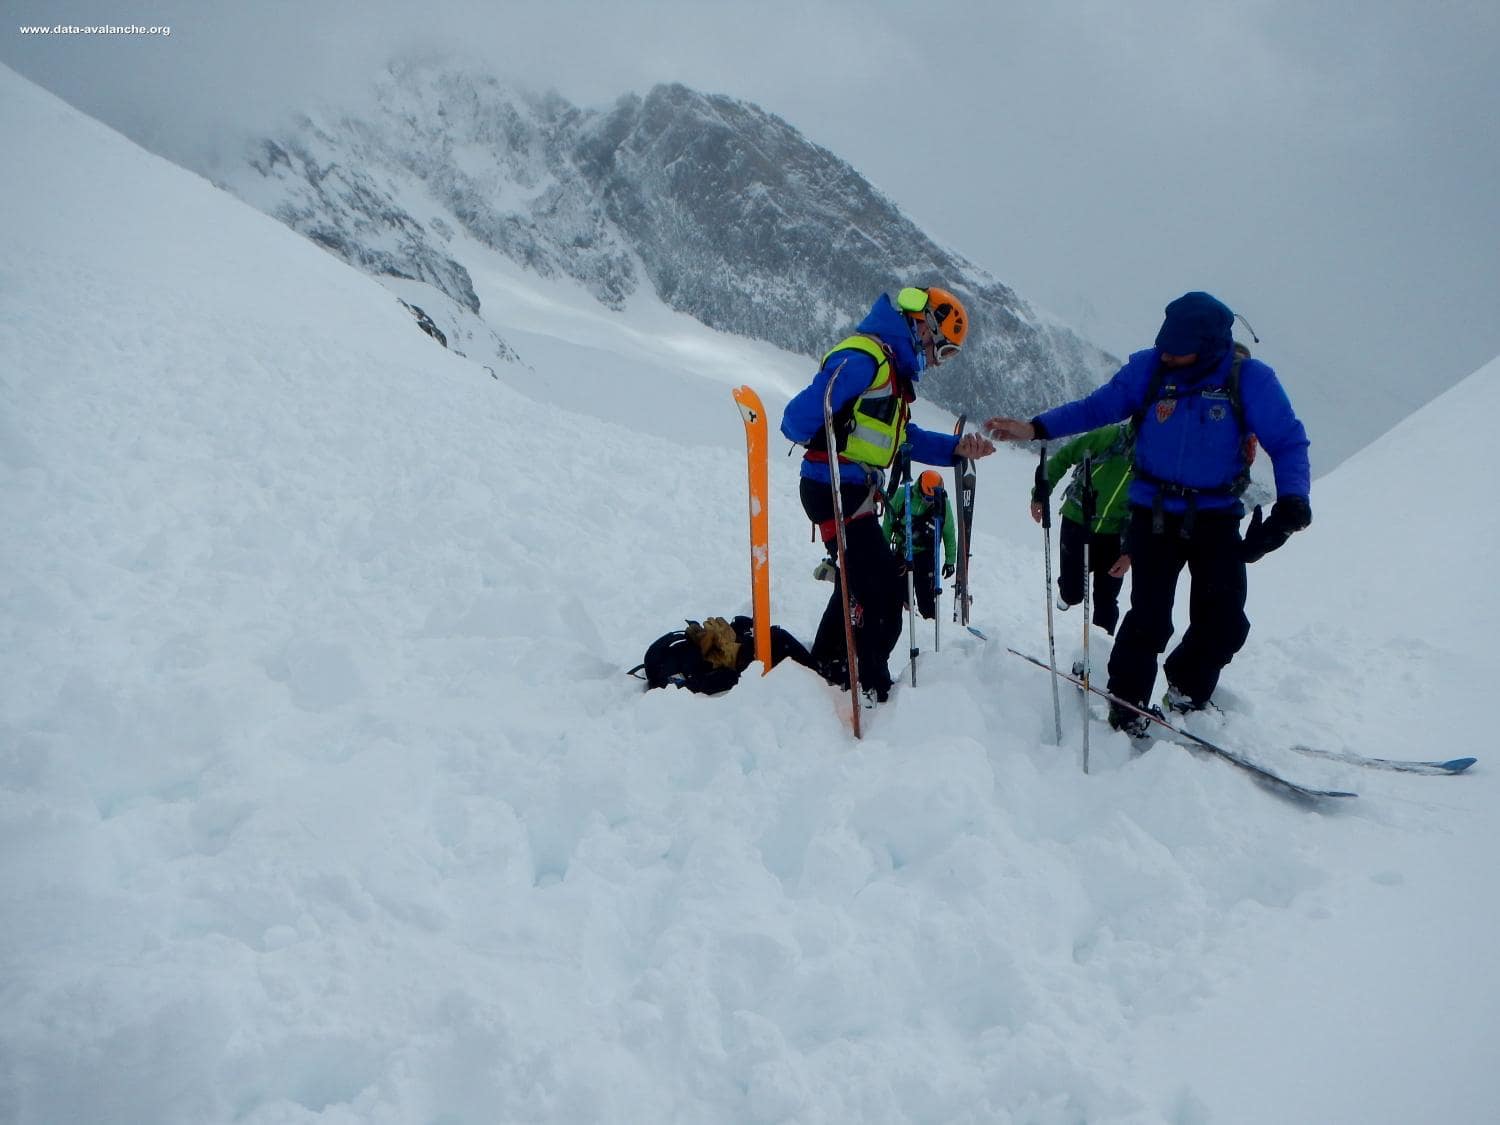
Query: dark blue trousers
{"type": "Point", "coordinates": [1217, 625]}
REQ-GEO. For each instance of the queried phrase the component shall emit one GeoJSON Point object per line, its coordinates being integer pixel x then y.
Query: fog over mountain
{"type": "Point", "coordinates": [1098, 159]}
{"type": "Point", "coordinates": [724, 211]}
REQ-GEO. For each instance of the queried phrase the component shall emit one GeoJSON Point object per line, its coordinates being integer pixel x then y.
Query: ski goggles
{"type": "Point", "coordinates": [944, 352]}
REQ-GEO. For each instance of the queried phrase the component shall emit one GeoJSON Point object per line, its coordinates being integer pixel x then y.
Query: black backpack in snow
{"type": "Point", "coordinates": [708, 658]}
{"type": "Point", "coordinates": [675, 658]}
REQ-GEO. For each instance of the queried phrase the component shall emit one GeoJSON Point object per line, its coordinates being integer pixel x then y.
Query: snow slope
{"type": "Point", "coordinates": [323, 797]}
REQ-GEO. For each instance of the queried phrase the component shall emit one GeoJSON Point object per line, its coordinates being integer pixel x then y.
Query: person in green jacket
{"type": "Point", "coordinates": [1112, 450]}
{"type": "Point", "coordinates": [926, 495]}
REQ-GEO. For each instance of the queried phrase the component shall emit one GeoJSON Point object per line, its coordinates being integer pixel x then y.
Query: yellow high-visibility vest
{"type": "Point", "coordinates": [879, 416]}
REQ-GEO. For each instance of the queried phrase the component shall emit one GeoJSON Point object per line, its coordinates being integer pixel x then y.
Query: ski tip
{"type": "Point", "coordinates": [1458, 765]}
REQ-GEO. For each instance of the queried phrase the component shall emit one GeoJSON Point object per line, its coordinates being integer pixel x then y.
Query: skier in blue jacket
{"type": "Point", "coordinates": [1196, 402]}
{"type": "Point", "coordinates": [874, 373]}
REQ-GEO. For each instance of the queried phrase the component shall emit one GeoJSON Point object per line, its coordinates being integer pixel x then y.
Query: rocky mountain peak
{"type": "Point", "coordinates": [726, 211]}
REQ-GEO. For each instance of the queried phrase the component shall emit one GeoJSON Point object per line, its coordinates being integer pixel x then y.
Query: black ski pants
{"type": "Point", "coordinates": [1104, 549]}
{"type": "Point", "coordinates": [1217, 625]}
{"type": "Point", "coordinates": [877, 588]}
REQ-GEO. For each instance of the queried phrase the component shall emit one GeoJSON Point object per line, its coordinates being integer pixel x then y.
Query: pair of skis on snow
{"type": "Point", "coordinates": [1261, 773]}
{"type": "Point", "coordinates": [1081, 678]}
{"type": "Point", "coordinates": [1187, 738]}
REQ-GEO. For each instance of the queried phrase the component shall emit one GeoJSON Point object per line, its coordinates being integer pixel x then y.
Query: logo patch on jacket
{"type": "Point", "coordinates": [1217, 413]}
{"type": "Point", "coordinates": [1164, 409]}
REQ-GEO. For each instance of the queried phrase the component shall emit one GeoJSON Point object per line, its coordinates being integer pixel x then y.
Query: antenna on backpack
{"type": "Point", "coordinates": [1246, 323]}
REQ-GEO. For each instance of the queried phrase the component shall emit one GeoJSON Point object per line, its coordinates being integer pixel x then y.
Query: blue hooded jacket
{"type": "Point", "coordinates": [1195, 439]}
{"type": "Point", "coordinates": [803, 417]}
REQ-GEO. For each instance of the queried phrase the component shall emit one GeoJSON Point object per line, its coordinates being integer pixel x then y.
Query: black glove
{"type": "Point", "coordinates": [1290, 513]}
{"type": "Point", "coordinates": [947, 570]}
{"type": "Point", "coordinates": [1293, 512]}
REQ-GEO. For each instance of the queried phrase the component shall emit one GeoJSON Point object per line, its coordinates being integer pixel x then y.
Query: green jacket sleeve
{"type": "Point", "coordinates": [950, 533]}
{"type": "Point", "coordinates": [1066, 457]}
{"type": "Point", "coordinates": [1057, 465]}
{"type": "Point", "coordinates": [1094, 444]}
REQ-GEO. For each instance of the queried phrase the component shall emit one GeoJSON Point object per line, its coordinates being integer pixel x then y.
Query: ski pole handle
{"type": "Point", "coordinates": [1040, 490]}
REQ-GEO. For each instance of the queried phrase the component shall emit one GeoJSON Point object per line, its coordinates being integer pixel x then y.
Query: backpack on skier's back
{"type": "Point", "coordinates": [1231, 387]}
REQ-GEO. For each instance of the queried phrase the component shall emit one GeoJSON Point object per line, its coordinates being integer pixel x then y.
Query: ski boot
{"type": "Point", "coordinates": [1178, 702]}
{"type": "Point", "coordinates": [1134, 724]}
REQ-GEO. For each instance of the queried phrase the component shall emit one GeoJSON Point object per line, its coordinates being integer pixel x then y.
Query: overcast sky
{"type": "Point", "coordinates": [1329, 169]}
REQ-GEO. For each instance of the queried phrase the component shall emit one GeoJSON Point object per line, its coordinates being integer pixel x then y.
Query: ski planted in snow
{"type": "Point", "coordinates": [963, 519]}
{"type": "Point", "coordinates": [754, 416]}
{"type": "Point", "coordinates": [1265, 776]}
{"type": "Point", "coordinates": [1400, 765]}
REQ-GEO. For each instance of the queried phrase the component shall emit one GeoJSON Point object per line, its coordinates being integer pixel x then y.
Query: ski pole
{"type": "Point", "coordinates": [940, 505]}
{"type": "Point", "coordinates": [843, 552]}
{"type": "Point", "coordinates": [960, 465]}
{"type": "Point", "coordinates": [911, 578]}
{"type": "Point", "coordinates": [1087, 503]}
{"type": "Point", "coordinates": [1043, 496]}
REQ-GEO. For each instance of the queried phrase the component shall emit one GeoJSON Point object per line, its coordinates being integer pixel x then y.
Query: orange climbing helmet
{"type": "Point", "coordinates": [930, 483]}
{"type": "Point", "coordinates": [944, 313]}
